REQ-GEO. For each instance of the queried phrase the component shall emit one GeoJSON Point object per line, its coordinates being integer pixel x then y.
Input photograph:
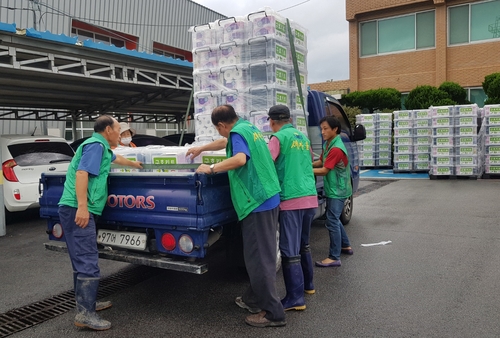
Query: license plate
{"type": "Point", "coordinates": [122, 239]}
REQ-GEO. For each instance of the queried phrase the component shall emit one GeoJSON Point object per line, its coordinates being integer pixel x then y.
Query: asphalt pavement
{"type": "Point", "coordinates": [439, 276]}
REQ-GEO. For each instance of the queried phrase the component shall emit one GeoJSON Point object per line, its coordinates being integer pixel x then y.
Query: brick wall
{"type": "Point", "coordinates": [466, 65]}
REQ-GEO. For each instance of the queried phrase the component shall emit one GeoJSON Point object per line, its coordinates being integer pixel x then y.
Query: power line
{"type": "Point", "coordinates": [284, 9]}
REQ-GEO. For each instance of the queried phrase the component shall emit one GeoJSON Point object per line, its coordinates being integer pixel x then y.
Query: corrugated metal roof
{"type": "Point", "coordinates": [166, 22]}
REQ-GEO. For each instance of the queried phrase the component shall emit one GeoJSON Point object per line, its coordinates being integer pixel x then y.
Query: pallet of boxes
{"type": "Point", "coordinates": [491, 124]}
{"type": "Point", "coordinates": [456, 142]}
{"type": "Point", "coordinates": [375, 150]}
{"type": "Point", "coordinates": [412, 141]}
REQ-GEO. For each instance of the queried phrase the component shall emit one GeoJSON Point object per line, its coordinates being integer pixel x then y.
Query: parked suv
{"type": "Point", "coordinates": [24, 158]}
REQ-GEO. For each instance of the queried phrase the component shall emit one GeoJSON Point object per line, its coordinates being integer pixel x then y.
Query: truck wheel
{"type": "Point", "coordinates": [345, 217]}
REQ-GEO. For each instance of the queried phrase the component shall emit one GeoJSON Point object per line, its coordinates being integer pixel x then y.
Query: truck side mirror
{"type": "Point", "coordinates": [359, 133]}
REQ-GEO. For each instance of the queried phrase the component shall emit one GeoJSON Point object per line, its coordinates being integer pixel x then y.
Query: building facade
{"type": "Point", "coordinates": [403, 44]}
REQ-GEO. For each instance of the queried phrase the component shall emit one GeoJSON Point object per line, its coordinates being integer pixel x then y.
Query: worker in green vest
{"type": "Point", "coordinates": [292, 155]}
{"type": "Point", "coordinates": [84, 197]}
{"type": "Point", "coordinates": [255, 195]}
{"type": "Point", "coordinates": [334, 165]}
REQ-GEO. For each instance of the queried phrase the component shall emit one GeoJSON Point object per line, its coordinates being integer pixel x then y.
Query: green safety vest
{"type": "Point", "coordinates": [97, 190]}
{"type": "Point", "coordinates": [338, 180]}
{"type": "Point", "coordinates": [294, 165]}
{"type": "Point", "coordinates": [256, 181]}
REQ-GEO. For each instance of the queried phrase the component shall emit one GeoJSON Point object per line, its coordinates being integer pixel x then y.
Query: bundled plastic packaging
{"type": "Point", "coordinates": [246, 62]}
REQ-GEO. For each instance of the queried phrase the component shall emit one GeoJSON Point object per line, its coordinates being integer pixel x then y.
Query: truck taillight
{"type": "Point", "coordinates": [186, 244]}
{"type": "Point", "coordinates": [8, 170]}
{"type": "Point", "coordinates": [168, 241]}
{"type": "Point", "coordinates": [57, 231]}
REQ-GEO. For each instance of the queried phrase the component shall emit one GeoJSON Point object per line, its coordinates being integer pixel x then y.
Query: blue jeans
{"type": "Point", "coordinates": [338, 237]}
{"type": "Point", "coordinates": [295, 229]}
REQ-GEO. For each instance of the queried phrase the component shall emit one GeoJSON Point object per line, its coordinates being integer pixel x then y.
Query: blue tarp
{"type": "Point", "coordinates": [8, 27]}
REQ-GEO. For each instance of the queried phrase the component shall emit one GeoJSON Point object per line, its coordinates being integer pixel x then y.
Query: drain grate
{"type": "Point", "coordinates": [30, 315]}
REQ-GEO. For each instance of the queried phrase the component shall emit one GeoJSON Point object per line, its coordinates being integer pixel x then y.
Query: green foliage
{"type": "Point", "coordinates": [383, 98]}
{"type": "Point", "coordinates": [425, 96]}
{"type": "Point", "coordinates": [491, 87]}
{"type": "Point", "coordinates": [351, 113]}
{"type": "Point", "coordinates": [455, 92]}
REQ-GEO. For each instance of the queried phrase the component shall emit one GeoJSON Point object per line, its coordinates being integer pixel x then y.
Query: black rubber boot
{"type": "Point", "coordinates": [307, 269]}
{"type": "Point", "coordinates": [99, 306]}
{"type": "Point", "coordinates": [294, 284]}
{"type": "Point", "coordinates": [86, 293]}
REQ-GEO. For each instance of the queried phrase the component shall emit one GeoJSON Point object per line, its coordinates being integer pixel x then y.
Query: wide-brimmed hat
{"type": "Point", "coordinates": [124, 127]}
{"type": "Point", "coordinates": [279, 112]}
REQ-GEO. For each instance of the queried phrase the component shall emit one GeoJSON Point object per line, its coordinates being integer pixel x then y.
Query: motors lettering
{"type": "Point", "coordinates": [131, 202]}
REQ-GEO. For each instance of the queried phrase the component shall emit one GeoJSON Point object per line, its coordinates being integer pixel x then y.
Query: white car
{"type": "Point", "coordinates": [24, 158]}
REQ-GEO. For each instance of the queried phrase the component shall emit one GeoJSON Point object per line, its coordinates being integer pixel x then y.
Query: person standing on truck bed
{"type": "Point", "coordinates": [126, 134]}
{"type": "Point", "coordinates": [255, 196]}
{"type": "Point", "coordinates": [334, 165]}
{"type": "Point", "coordinates": [84, 197]}
{"type": "Point", "coordinates": [292, 155]}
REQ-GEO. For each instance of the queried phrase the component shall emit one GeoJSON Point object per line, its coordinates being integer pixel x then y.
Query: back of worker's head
{"type": "Point", "coordinates": [224, 114]}
{"type": "Point", "coordinates": [102, 122]}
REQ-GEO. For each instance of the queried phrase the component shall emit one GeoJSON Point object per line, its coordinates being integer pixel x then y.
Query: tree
{"type": "Point", "coordinates": [455, 92]}
{"type": "Point", "coordinates": [382, 98]}
{"type": "Point", "coordinates": [425, 96]}
{"type": "Point", "coordinates": [491, 87]}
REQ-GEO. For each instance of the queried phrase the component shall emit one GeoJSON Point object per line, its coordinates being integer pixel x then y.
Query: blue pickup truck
{"type": "Point", "coordinates": [170, 220]}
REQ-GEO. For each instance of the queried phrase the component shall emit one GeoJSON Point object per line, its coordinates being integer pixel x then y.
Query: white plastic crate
{"type": "Point", "coordinates": [466, 170]}
{"type": "Point", "coordinates": [403, 149]}
{"type": "Point", "coordinates": [445, 121]}
{"type": "Point", "coordinates": [422, 140]}
{"type": "Point", "coordinates": [421, 166]}
{"type": "Point", "coordinates": [466, 131]}
{"type": "Point", "coordinates": [441, 111]}
{"type": "Point", "coordinates": [465, 140]}
{"type": "Point", "coordinates": [441, 170]}
{"type": "Point", "coordinates": [471, 160]}
{"type": "Point", "coordinates": [383, 162]}
{"type": "Point", "coordinates": [466, 150]}
{"type": "Point", "coordinates": [443, 151]}
{"type": "Point", "coordinates": [422, 149]}
{"type": "Point", "coordinates": [403, 166]}
{"type": "Point", "coordinates": [403, 115]}
{"type": "Point", "coordinates": [403, 141]}
{"type": "Point", "coordinates": [443, 141]}
{"type": "Point", "coordinates": [403, 132]}
{"type": "Point", "coordinates": [443, 160]}
{"type": "Point", "coordinates": [442, 131]}
{"type": "Point", "coordinates": [465, 121]}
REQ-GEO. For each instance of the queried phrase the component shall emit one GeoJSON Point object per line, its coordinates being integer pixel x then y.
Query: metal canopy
{"type": "Point", "coordinates": [47, 80]}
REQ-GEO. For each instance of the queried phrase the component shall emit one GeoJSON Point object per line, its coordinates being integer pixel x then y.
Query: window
{"type": "Point", "coordinates": [396, 34]}
{"type": "Point", "coordinates": [40, 153]}
{"type": "Point", "coordinates": [84, 35]}
{"type": "Point", "coordinates": [474, 22]}
{"type": "Point", "coordinates": [476, 95]}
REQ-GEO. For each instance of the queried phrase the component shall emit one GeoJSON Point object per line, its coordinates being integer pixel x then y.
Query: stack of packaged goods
{"type": "Point", "coordinates": [246, 62]}
{"type": "Point", "coordinates": [491, 126]}
{"type": "Point", "coordinates": [443, 141]}
{"type": "Point", "coordinates": [403, 141]}
{"type": "Point", "coordinates": [467, 141]}
{"type": "Point", "coordinates": [375, 150]}
{"type": "Point", "coordinates": [422, 140]}
{"type": "Point", "coordinates": [367, 148]}
{"type": "Point", "coordinates": [383, 144]}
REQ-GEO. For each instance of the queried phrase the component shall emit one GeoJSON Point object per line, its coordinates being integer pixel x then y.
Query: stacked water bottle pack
{"type": "Point", "coordinates": [375, 151]}
{"type": "Point", "coordinates": [422, 140]}
{"type": "Point", "coordinates": [247, 62]}
{"type": "Point", "coordinates": [491, 126]}
{"type": "Point", "coordinates": [455, 141]}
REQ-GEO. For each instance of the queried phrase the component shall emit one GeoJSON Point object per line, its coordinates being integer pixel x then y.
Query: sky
{"type": "Point", "coordinates": [327, 30]}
